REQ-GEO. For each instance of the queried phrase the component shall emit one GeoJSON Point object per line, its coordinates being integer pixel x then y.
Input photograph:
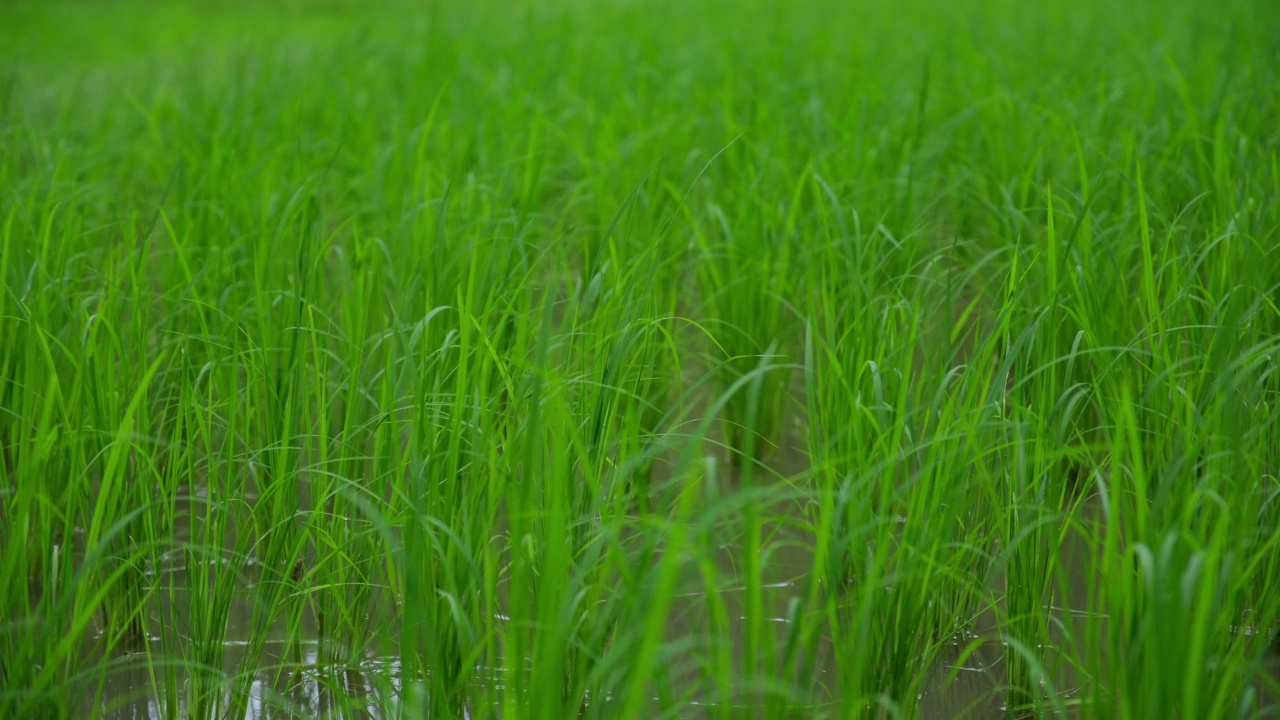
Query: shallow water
{"type": "Point", "coordinates": [372, 686]}
{"type": "Point", "coordinates": [967, 681]}
{"type": "Point", "coordinates": [971, 688]}
{"type": "Point", "coordinates": [959, 685]}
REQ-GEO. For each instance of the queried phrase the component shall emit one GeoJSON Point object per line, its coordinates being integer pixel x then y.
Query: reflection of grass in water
{"type": "Point", "coordinates": [340, 329]}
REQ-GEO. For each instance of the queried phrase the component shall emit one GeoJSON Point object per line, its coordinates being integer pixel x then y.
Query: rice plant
{"type": "Point", "coordinates": [686, 358]}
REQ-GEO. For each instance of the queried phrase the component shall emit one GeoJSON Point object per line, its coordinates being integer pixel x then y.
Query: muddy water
{"type": "Point", "coordinates": [971, 689]}
{"type": "Point", "coordinates": [961, 685]}
{"type": "Point", "coordinates": [968, 688]}
{"type": "Point", "coordinates": [316, 691]}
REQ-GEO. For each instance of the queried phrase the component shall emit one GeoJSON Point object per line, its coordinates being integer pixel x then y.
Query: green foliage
{"type": "Point", "coordinates": [663, 359]}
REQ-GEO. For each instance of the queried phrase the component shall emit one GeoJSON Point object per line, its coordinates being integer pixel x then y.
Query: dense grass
{"type": "Point", "coordinates": [677, 358]}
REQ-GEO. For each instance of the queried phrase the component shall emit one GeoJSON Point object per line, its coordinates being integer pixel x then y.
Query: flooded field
{"type": "Point", "coordinates": [639, 360]}
{"type": "Point", "coordinates": [290, 673]}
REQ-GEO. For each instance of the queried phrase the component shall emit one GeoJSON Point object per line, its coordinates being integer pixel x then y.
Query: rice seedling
{"type": "Point", "coordinates": [671, 359]}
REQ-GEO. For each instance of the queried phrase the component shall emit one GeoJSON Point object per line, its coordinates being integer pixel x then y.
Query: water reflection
{"type": "Point", "coordinates": [968, 687]}
{"type": "Point", "coordinates": [309, 689]}
{"type": "Point", "coordinates": [299, 679]}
